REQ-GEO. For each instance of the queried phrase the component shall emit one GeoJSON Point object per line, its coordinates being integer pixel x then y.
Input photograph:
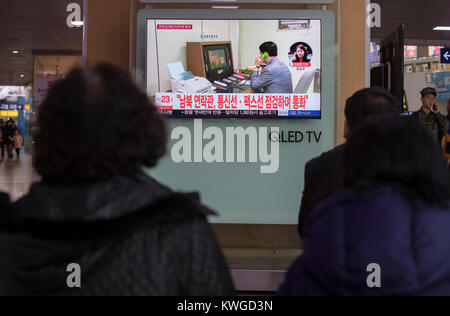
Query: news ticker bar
{"type": "Point", "coordinates": [241, 114]}
{"type": "Point", "coordinates": [282, 103]}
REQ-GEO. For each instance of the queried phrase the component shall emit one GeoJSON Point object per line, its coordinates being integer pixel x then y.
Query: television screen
{"type": "Point", "coordinates": [208, 68]}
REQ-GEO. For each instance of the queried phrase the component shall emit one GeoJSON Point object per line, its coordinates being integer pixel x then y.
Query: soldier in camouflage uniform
{"type": "Point", "coordinates": [430, 115]}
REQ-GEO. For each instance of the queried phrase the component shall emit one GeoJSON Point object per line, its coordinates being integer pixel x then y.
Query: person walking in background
{"type": "Point", "coordinates": [96, 207]}
{"type": "Point", "coordinates": [394, 218]}
{"type": "Point", "coordinates": [5, 139]}
{"type": "Point", "coordinates": [324, 175]}
{"type": "Point", "coordinates": [429, 115]}
{"type": "Point", "coordinates": [18, 140]}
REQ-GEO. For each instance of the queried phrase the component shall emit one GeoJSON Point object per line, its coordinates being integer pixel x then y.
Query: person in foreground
{"type": "Point", "coordinates": [388, 234]}
{"type": "Point", "coordinates": [97, 224]}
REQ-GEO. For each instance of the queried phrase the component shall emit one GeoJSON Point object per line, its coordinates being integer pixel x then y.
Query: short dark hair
{"type": "Point", "coordinates": [397, 151]}
{"type": "Point", "coordinates": [269, 48]}
{"type": "Point", "coordinates": [369, 102]}
{"type": "Point", "coordinates": [95, 123]}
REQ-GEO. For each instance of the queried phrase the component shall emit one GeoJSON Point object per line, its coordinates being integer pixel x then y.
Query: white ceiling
{"type": "Point", "coordinates": [27, 25]}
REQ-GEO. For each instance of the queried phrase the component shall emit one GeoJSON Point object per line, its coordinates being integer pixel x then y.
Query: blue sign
{"type": "Point", "coordinates": [445, 55]}
{"type": "Point", "coordinates": [10, 107]}
{"type": "Point", "coordinates": [440, 81]}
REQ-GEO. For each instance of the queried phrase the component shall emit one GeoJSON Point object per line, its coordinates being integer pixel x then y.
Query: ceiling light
{"type": "Point", "coordinates": [225, 7]}
{"type": "Point", "coordinates": [442, 28]}
{"type": "Point", "coordinates": [77, 23]}
{"type": "Point", "coordinates": [22, 76]}
{"type": "Point", "coordinates": [15, 52]}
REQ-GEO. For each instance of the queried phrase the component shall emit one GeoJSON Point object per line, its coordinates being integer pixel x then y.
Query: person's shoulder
{"type": "Point", "coordinates": [182, 207]}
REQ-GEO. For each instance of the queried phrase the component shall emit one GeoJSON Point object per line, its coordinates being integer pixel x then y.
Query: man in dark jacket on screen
{"type": "Point", "coordinates": [324, 175]}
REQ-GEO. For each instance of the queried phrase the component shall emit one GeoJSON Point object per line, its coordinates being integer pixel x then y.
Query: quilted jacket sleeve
{"type": "Point", "coordinates": [193, 261]}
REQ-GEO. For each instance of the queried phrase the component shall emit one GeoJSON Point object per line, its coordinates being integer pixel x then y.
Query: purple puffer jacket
{"type": "Point", "coordinates": [408, 240]}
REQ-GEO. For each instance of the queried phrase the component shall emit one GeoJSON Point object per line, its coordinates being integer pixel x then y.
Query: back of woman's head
{"type": "Point", "coordinates": [398, 151]}
{"type": "Point", "coordinates": [95, 123]}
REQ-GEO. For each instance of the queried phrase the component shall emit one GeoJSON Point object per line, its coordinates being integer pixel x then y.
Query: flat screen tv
{"type": "Point", "coordinates": [215, 80]}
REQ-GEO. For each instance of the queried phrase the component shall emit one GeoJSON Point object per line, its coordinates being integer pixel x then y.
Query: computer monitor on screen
{"type": "Point", "coordinates": [218, 61]}
{"type": "Point", "coordinates": [212, 60]}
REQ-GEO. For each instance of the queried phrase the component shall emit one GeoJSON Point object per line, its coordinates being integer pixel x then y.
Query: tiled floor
{"type": "Point", "coordinates": [16, 176]}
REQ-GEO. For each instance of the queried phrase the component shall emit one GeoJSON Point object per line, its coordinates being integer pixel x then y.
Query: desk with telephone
{"type": "Point", "coordinates": [185, 82]}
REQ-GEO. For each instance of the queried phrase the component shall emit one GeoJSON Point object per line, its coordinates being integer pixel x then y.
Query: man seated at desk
{"type": "Point", "coordinates": [275, 77]}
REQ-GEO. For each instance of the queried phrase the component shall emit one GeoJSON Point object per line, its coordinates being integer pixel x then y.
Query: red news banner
{"type": "Point", "coordinates": [245, 102]}
{"type": "Point", "coordinates": [174, 27]}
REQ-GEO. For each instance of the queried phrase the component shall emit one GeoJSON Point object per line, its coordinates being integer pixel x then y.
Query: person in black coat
{"type": "Point", "coordinates": [9, 137]}
{"type": "Point", "coordinates": [324, 175]}
{"type": "Point", "coordinates": [97, 224]}
{"type": "Point", "coordinates": [7, 133]}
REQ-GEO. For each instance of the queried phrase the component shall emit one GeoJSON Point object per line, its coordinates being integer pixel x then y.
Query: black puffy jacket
{"type": "Point", "coordinates": [129, 236]}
